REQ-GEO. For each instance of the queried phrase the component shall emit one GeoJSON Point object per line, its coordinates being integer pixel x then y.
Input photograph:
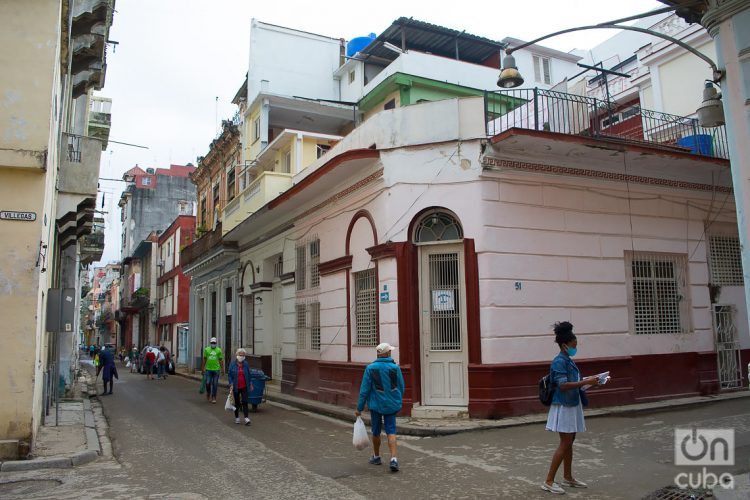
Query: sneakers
{"type": "Point", "coordinates": [375, 460]}
{"type": "Point", "coordinates": [554, 488]}
{"type": "Point", "coordinates": [394, 465]}
{"type": "Point", "coordinates": [236, 420]}
{"type": "Point", "coordinates": [247, 421]}
{"type": "Point", "coordinates": [574, 483]}
{"type": "Point", "coordinates": [213, 401]}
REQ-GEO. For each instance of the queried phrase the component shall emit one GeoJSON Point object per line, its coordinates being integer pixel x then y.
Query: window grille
{"type": "Point", "coordinates": [314, 261]}
{"type": "Point", "coordinates": [301, 325]}
{"type": "Point", "coordinates": [725, 261]}
{"type": "Point", "coordinates": [445, 303]}
{"type": "Point", "coordinates": [315, 326]}
{"type": "Point", "coordinates": [438, 226]}
{"type": "Point", "coordinates": [658, 302]}
{"type": "Point", "coordinates": [365, 312]}
{"type": "Point", "coordinates": [301, 270]}
{"type": "Point", "coordinates": [278, 267]}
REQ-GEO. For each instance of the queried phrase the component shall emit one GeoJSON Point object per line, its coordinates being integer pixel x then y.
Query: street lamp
{"type": "Point", "coordinates": [710, 113]}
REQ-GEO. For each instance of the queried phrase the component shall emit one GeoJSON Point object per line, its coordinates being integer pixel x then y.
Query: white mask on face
{"type": "Point", "coordinates": [240, 358]}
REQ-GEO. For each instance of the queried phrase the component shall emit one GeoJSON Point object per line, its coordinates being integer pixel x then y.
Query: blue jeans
{"type": "Point", "coordinates": [160, 370]}
{"type": "Point", "coordinates": [212, 382]}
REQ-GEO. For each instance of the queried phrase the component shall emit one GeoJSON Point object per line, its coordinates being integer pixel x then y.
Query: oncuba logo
{"type": "Point", "coordinates": [704, 447]}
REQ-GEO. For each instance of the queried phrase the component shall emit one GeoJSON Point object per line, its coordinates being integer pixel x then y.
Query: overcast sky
{"type": "Point", "coordinates": [176, 57]}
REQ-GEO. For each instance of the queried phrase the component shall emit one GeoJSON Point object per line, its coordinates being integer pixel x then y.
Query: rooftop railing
{"type": "Point", "coordinates": [571, 114]}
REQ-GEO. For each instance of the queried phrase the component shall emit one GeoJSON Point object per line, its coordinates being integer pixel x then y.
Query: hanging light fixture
{"type": "Point", "coordinates": [510, 77]}
{"type": "Point", "coordinates": [711, 111]}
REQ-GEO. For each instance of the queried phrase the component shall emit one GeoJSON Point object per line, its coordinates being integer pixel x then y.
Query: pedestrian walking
{"type": "Point", "coordinates": [161, 363]}
{"type": "Point", "coordinates": [148, 363]}
{"type": "Point", "coordinates": [566, 411]}
{"type": "Point", "coordinates": [135, 358]}
{"type": "Point", "coordinates": [107, 368]}
{"type": "Point", "coordinates": [92, 348]}
{"type": "Point", "coordinates": [239, 382]}
{"type": "Point", "coordinates": [383, 390]}
{"type": "Point", "coordinates": [213, 365]}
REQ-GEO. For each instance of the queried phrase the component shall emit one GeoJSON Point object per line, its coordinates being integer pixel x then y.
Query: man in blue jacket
{"type": "Point", "coordinates": [383, 390]}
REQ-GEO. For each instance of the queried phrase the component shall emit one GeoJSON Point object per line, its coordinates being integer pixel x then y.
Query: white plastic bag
{"type": "Point", "coordinates": [127, 365]}
{"type": "Point", "coordinates": [228, 406]}
{"type": "Point", "coordinates": [360, 439]}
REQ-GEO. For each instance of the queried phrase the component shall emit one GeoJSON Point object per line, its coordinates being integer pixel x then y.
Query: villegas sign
{"type": "Point", "coordinates": [22, 216]}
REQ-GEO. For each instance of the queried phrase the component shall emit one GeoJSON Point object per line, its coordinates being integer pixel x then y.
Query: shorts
{"type": "Point", "coordinates": [377, 422]}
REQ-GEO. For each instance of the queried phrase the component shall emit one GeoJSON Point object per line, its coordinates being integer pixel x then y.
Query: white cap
{"type": "Point", "coordinates": [384, 347]}
{"type": "Point", "coordinates": [213, 340]}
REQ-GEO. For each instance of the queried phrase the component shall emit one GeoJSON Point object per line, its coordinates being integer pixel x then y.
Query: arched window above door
{"type": "Point", "coordinates": [438, 226]}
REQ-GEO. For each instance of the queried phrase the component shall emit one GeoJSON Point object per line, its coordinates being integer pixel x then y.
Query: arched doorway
{"type": "Point", "coordinates": [443, 321]}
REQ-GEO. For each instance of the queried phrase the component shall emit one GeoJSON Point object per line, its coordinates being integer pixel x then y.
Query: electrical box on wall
{"type": "Point", "coordinates": [61, 304]}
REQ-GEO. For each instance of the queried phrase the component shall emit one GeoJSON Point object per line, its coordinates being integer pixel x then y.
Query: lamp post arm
{"type": "Point", "coordinates": [718, 74]}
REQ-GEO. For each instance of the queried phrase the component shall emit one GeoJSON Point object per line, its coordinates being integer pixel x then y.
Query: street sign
{"type": "Point", "coordinates": [22, 216]}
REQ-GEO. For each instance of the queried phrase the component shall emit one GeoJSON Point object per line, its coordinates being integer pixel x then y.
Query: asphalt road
{"type": "Point", "coordinates": [169, 442]}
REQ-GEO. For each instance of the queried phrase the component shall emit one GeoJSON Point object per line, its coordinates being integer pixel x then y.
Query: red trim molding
{"type": "Point", "coordinates": [382, 251]}
{"type": "Point", "coordinates": [335, 265]}
{"type": "Point", "coordinates": [354, 154]}
{"type": "Point", "coordinates": [357, 216]}
{"type": "Point", "coordinates": [596, 174]}
{"type": "Point", "coordinates": [474, 333]}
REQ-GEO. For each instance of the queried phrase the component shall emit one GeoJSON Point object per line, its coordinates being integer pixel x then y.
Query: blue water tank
{"type": "Point", "coordinates": [359, 43]}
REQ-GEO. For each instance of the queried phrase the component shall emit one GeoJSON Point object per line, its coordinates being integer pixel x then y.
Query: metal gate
{"type": "Point", "coordinates": [727, 346]}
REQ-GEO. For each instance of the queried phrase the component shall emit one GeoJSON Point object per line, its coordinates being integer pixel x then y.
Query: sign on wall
{"type": "Point", "coordinates": [442, 300]}
{"type": "Point", "coordinates": [22, 216]}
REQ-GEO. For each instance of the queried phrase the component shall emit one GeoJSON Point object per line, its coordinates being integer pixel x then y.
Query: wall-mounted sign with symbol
{"type": "Point", "coordinates": [443, 300]}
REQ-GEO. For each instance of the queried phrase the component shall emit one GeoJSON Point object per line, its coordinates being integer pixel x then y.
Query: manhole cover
{"type": "Point", "coordinates": [28, 486]}
{"type": "Point", "coordinates": [675, 493]}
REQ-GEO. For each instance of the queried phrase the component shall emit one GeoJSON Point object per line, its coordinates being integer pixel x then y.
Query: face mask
{"type": "Point", "coordinates": [572, 351]}
{"type": "Point", "coordinates": [240, 358]}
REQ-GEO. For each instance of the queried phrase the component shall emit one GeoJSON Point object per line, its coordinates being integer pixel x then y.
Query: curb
{"type": "Point", "coordinates": [92, 452]}
{"type": "Point", "coordinates": [469, 425]}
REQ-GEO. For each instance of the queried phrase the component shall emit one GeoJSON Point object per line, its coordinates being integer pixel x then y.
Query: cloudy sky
{"type": "Point", "coordinates": [179, 63]}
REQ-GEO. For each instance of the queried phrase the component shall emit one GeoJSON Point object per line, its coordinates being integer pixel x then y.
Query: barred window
{"type": "Point", "coordinates": [307, 326]}
{"type": "Point", "coordinates": [725, 261]}
{"type": "Point", "coordinates": [658, 303]}
{"type": "Point", "coordinates": [278, 267]}
{"type": "Point", "coordinates": [315, 326]}
{"type": "Point", "coordinates": [365, 312]}
{"type": "Point", "coordinates": [314, 261]}
{"type": "Point", "coordinates": [301, 270]}
{"type": "Point", "coordinates": [300, 311]}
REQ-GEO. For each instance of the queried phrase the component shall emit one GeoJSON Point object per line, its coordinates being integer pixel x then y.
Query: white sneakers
{"type": "Point", "coordinates": [556, 489]}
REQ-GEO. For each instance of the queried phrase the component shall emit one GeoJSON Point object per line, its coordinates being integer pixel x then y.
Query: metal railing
{"type": "Point", "coordinates": [74, 149]}
{"type": "Point", "coordinates": [571, 114]}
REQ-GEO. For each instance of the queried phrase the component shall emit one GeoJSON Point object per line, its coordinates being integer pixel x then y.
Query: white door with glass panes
{"type": "Point", "coordinates": [443, 325]}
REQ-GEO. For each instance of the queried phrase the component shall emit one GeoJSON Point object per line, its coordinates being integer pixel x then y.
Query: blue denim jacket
{"type": "Point", "coordinates": [563, 369]}
{"type": "Point", "coordinates": [232, 373]}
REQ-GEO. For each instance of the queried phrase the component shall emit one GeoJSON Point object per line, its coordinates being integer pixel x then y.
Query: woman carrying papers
{"type": "Point", "coordinates": [566, 412]}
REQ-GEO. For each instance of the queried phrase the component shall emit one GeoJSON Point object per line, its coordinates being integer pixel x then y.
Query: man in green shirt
{"type": "Point", "coordinates": [213, 365]}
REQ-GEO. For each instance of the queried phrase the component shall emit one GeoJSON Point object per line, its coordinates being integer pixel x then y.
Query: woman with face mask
{"type": "Point", "coordinates": [239, 382]}
{"type": "Point", "coordinates": [566, 412]}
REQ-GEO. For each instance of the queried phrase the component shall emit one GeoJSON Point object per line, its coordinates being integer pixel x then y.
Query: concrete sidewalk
{"type": "Point", "coordinates": [75, 440]}
{"type": "Point", "coordinates": [443, 427]}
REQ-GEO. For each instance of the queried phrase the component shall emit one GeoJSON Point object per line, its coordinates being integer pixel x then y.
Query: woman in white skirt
{"type": "Point", "coordinates": [566, 412]}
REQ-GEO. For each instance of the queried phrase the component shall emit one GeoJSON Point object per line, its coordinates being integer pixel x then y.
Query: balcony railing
{"type": "Point", "coordinates": [570, 114]}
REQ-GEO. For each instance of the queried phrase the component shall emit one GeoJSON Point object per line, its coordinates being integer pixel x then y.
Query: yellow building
{"type": "Point", "coordinates": [49, 169]}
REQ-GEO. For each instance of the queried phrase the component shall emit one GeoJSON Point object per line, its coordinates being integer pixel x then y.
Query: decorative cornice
{"type": "Point", "coordinates": [335, 265]}
{"type": "Point", "coordinates": [719, 11]}
{"type": "Point", "coordinates": [382, 251]}
{"type": "Point", "coordinates": [287, 278]}
{"type": "Point", "coordinates": [261, 286]}
{"type": "Point", "coordinates": [597, 174]}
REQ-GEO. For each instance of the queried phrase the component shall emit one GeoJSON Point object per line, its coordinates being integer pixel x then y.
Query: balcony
{"type": "Point", "coordinates": [266, 187]}
{"type": "Point", "coordinates": [92, 247]}
{"type": "Point", "coordinates": [576, 115]}
{"type": "Point", "coordinates": [203, 246]}
{"type": "Point", "coordinates": [79, 166]}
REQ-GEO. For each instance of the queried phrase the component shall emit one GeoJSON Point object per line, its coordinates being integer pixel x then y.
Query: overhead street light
{"type": "Point", "coordinates": [710, 113]}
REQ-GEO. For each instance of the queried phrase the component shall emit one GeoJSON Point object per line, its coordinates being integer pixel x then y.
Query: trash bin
{"type": "Point", "coordinates": [257, 387]}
